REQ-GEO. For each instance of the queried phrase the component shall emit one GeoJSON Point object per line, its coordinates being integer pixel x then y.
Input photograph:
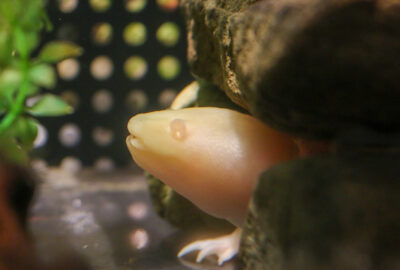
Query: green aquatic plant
{"type": "Point", "coordinates": [25, 72]}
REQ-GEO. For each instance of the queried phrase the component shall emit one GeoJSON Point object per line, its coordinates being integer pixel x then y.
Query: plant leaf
{"type": "Point", "coordinates": [47, 23]}
{"type": "Point", "coordinates": [56, 51]}
{"type": "Point", "coordinates": [32, 90]}
{"type": "Point", "coordinates": [25, 42]}
{"type": "Point", "coordinates": [25, 130]}
{"type": "Point", "coordinates": [10, 80]}
{"type": "Point", "coordinates": [11, 152]}
{"type": "Point", "coordinates": [50, 105]}
{"type": "Point", "coordinates": [2, 106]}
{"type": "Point", "coordinates": [43, 75]}
{"type": "Point", "coordinates": [5, 46]}
{"type": "Point", "coordinates": [20, 42]}
{"type": "Point", "coordinates": [10, 77]}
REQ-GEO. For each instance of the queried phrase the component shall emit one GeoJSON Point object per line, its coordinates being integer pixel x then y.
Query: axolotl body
{"type": "Point", "coordinates": [211, 156]}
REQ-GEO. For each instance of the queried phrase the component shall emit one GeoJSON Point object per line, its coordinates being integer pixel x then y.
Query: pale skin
{"type": "Point", "coordinates": [211, 156]}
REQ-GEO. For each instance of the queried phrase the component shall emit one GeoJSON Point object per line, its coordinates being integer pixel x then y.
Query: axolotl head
{"type": "Point", "coordinates": [159, 134]}
{"type": "Point", "coordinates": [211, 156]}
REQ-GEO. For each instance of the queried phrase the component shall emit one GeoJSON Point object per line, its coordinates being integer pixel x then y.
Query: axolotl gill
{"type": "Point", "coordinates": [211, 156]}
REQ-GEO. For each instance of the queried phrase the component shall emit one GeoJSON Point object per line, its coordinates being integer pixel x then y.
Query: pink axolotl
{"type": "Point", "coordinates": [211, 156]}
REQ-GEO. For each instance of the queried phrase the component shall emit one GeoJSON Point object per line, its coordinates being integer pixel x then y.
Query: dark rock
{"type": "Point", "coordinates": [211, 96]}
{"type": "Point", "coordinates": [210, 43]}
{"type": "Point", "coordinates": [337, 73]}
{"type": "Point", "coordinates": [313, 68]}
{"type": "Point", "coordinates": [338, 211]}
{"type": "Point", "coordinates": [321, 70]}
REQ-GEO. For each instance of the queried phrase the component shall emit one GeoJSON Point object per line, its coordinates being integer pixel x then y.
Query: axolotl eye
{"type": "Point", "coordinates": [177, 129]}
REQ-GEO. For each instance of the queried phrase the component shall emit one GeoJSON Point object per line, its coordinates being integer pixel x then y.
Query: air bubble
{"type": "Point", "coordinates": [71, 164]}
{"type": "Point", "coordinates": [166, 97]}
{"type": "Point", "coordinates": [168, 5]}
{"type": "Point", "coordinates": [135, 67]}
{"type": "Point", "coordinates": [103, 136]}
{"type": "Point", "coordinates": [101, 67]}
{"type": "Point", "coordinates": [102, 33]}
{"type": "Point", "coordinates": [41, 137]}
{"type": "Point", "coordinates": [178, 129]}
{"type": "Point", "coordinates": [135, 34]}
{"type": "Point", "coordinates": [69, 135]}
{"type": "Point", "coordinates": [67, 6]}
{"type": "Point", "coordinates": [135, 5]}
{"type": "Point", "coordinates": [100, 5]}
{"type": "Point", "coordinates": [104, 164]}
{"type": "Point", "coordinates": [168, 34]}
{"type": "Point", "coordinates": [68, 69]}
{"type": "Point", "coordinates": [168, 67]}
{"type": "Point", "coordinates": [102, 101]}
{"type": "Point", "coordinates": [139, 238]}
{"type": "Point", "coordinates": [39, 165]}
{"type": "Point", "coordinates": [136, 100]}
{"type": "Point", "coordinates": [138, 210]}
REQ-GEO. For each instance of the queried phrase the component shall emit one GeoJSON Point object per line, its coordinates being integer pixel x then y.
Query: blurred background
{"type": "Point", "coordinates": [134, 61]}
{"type": "Point", "coordinates": [93, 198]}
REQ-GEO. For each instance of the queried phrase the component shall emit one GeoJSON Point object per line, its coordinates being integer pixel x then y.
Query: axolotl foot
{"type": "Point", "coordinates": [225, 247]}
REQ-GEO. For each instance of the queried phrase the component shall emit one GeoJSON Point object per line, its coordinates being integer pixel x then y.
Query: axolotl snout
{"type": "Point", "coordinates": [211, 156]}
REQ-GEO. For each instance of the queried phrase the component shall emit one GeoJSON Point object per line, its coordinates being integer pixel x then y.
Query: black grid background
{"type": "Point", "coordinates": [81, 21]}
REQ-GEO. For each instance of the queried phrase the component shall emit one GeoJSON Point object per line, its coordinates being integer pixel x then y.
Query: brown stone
{"type": "Point", "coordinates": [331, 212]}
{"type": "Point", "coordinates": [313, 68]}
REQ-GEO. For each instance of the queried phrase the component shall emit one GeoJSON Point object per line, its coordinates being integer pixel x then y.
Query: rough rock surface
{"type": "Point", "coordinates": [313, 68]}
{"type": "Point", "coordinates": [338, 211]}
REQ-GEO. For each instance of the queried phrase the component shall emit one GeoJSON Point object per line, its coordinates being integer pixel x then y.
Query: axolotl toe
{"type": "Point", "coordinates": [211, 156]}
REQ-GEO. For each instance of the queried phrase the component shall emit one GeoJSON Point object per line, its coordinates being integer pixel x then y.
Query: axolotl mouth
{"type": "Point", "coordinates": [133, 141]}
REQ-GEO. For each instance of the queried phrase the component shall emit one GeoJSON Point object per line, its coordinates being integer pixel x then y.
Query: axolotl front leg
{"type": "Point", "coordinates": [224, 247]}
{"type": "Point", "coordinates": [211, 156]}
